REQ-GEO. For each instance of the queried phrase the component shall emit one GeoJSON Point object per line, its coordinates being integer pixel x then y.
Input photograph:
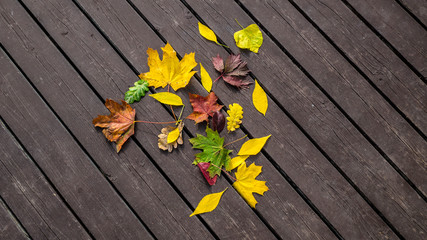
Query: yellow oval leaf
{"type": "Point", "coordinates": [253, 146]}
{"type": "Point", "coordinates": [173, 135]}
{"type": "Point", "coordinates": [259, 98]}
{"type": "Point", "coordinates": [168, 98]}
{"type": "Point", "coordinates": [207, 33]}
{"type": "Point", "coordinates": [236, 161]}
{"type": "Point", "coordinates": [206, 79]}
{"type": "Point", "coordinates": [208, 203]}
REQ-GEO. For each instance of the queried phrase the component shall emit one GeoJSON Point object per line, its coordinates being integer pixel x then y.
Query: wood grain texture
{"type": "Point", "coordinates": [418, 8]}
{"type": "Point", "coordinates": [367, 108]}
{"type": "Point", "coordinates": [398, 27]}
{"type": "Point", "coordinates": [81, 184]}
{"type": "Point", "coordinates": [173, 31]}
{"type": "Point", "coordinates": [372, 56]}
{"type": "Point", "coordinates": [30, 196]}
{"type": "Point", "coordinates": [131, 171]}
{"type": "Point", "coordinates": [355, 155]}
{"type": "Point", "coordinates": [9, 227]}
{"type": "Point", "coordinates": [225, 222]}
{"type": "Point", "coordinates": [81, 60]}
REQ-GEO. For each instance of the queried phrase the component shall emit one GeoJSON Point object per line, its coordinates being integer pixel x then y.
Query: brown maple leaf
{"type": "Point", "coordinates": [119, 125]}
{"type": "Point", "coordinates": [163, 138]}
{"type": "Point", "coordinates": [233, 71]}
{"type": "Point", "coordinates": [203, 107]}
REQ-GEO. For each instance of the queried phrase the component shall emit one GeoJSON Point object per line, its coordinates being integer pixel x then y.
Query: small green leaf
{"type": "Point", "coordinates": [136, 92]}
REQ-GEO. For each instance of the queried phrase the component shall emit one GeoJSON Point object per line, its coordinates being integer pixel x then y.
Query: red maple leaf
{"type": "Point", "coordinates": [203, 107]}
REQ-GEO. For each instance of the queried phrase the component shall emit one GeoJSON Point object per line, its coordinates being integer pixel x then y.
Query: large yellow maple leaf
{"type": "Point", "coordinates": [169, 70]}
{"type": "Point", "coordinates": [246, 183]}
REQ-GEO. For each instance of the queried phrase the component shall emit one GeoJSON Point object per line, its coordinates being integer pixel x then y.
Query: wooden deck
{"type": "Point", "coordinates": [347, 112]}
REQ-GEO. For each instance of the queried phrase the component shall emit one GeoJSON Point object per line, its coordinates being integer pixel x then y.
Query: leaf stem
{"type": "Point", "coordinates": [239, 23]}
{"type": "Point", "coordinates": [235, 141]}
{"type": "Point", "coordinates": [173, 113]}
{"type": "Point", "coordinates": [156, 122]}
{"type": "Point", "coordinates": [219, 77]}
{"type": "Point", "coordinates": [222, 45]}
{"type": "Point", "coordinates": [224, 172]}
{"type": "Point", "coordinates": [180, 114]}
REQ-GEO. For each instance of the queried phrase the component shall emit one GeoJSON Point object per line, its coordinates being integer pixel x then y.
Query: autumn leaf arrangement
{"type": "Point", "coordinates": [214, 157]}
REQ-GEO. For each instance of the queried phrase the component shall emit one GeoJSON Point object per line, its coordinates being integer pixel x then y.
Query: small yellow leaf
{"type": "Point", "coordinates": [253, 146]}
{"type": "Point", "coordinates": [206, 79]}
{"type": "Point", "coordinates": [207, 33]}
{"type": "Point", "coordinates": [173, 136]}
{"type": "Point", "coordinates": [249, 38]}
{"type": "Point", "coordinates": [168, 98]}
{"type": "Point", "coordinates": [246, 183]}
{"type": "Point", "coordinates": [208, 203]}
{"type": "Point", "coordinates": [259, 98]}
{"type": "Point", "coordinates": [235, 117]}
{"type": "Point", "coordinates": [236, 161]}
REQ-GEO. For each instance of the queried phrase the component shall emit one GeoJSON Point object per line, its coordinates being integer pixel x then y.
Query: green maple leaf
{"type": "Point", "coordinates": [136, 92]}
{"type": "Point", "coordinates": [213, 151]}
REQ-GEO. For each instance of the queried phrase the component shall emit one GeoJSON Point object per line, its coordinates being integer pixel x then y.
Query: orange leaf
{"type": "Point", "coordinates": [203, 107]}
{"type": "Point", "coordinates": [119, 125]}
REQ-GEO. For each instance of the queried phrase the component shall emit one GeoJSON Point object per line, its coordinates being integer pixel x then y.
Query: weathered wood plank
{"type": "Point", "coordinates": [351, 150]}
{"type": "Point", "coordinates": [417, 7]}
{"type": "Point", "coordinates": [132, 173]}
{"type": "Point", "coordinates": [355, 155]}
{"type": "Point", "coordinates": [175, 26]}
{"type": "Point", "coordinates": [373, 115]}
{"type": "Point", "coordinates": [377, 62]}
{"type": "Point", "coordinates": [398, 27]}
{"type": "Point", "coordinates": [225, 220]}
{"type": "Point", "coordinates": [85, 189]}
{"type": "Point", "coordinates": [82, 60]}
{"type": "Point", "coordinates": [30, 196]}
{"type": "Point", "coordinates": [9, 227]}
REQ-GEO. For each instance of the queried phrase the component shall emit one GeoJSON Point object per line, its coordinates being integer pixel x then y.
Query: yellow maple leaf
{"type": "Point", "coordinates": [246, 183]}
{"type": "Point", "coordinates": [169, 70]}
{"type": "Point", "coordinates": [208, 203]}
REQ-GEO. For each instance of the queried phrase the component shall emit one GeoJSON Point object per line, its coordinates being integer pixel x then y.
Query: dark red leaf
{"type": "Point", "coordinates": [218, 121]}
{"type": "Point", "coordinates": [204, 167]}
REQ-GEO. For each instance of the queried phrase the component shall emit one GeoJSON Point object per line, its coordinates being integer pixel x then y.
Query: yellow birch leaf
{"type": "Point", "coordinates": [246, 183]}
{"type": "Point", "coordinates": [249, 38]}
{"type": "Point", "coordinates": [259, 99]}
{"type": "Point", "coordinates": [168, 98]}
{"type": "Point", "coordinates": [253, 146]}
{"type": "Point", "coordinates": [236, 161]}
{"type": "Point", "coordinates": [208, 203]}
{"type": "Point", "coordinates": [206, 79]}
{"type": "Point", "coordinates": [173, 135]}
{"type": "Point", "coordinates": [207, 33]}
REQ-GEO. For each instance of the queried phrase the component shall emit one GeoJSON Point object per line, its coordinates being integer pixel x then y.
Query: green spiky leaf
{"type": "Point", "coordinates": [213, 151]}
{"type": "Point", "coordinates": [136, 92]}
